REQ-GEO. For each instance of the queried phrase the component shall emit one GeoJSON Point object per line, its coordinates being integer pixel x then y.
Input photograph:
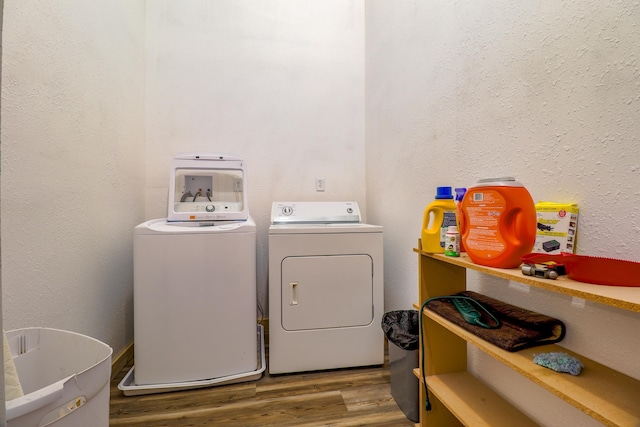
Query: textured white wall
{"type": "Point", "coordinates": [72, 164]}
{"type": "Point", "coordinates": [455, 92]}
{"type": "Point", "coordinates": [99, 96]}
{"type": "Point", "coordinates": [547, 92]}
{"type": "Point", "coordinates": [279, 83]}
{"type": "Point", "coordinates": [3, 415]}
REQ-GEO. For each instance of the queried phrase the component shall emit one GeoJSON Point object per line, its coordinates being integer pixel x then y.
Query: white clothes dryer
{"type": "Point", "coordinates": [325, 288]}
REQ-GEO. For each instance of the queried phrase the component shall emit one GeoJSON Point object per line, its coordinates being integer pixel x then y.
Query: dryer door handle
{"type": "Point", "coordinates": [294, 293]}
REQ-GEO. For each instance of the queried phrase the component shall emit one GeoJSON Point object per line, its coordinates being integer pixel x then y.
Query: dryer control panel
{"type": "Point", "coordinates": [315, 212]}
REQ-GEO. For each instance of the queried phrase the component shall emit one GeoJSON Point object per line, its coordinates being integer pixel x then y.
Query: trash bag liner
{"type": "Point", "coordinates": [401, 328]}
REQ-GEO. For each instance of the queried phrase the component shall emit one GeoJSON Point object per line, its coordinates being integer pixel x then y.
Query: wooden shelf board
{"type": "Point", "coordinates": [599, 391]}
{"type": "Point", "coordinates": [474, 403]}
{"type": "Point", "coordinates": [624, 297]}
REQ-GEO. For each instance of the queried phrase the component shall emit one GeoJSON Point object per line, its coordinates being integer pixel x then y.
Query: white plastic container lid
{"type": "Point", "coordinates": [506, 181]}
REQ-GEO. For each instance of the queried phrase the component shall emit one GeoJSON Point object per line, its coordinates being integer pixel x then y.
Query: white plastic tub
{"type": "Point", "coordinates": [65, 378]}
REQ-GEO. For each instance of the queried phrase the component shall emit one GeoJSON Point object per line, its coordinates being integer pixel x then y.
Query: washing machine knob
{"type": "Point", "coordinates": [350, 210]}
{"type": "Point", "coordinates": [287, 210]}
{"type": "Point", "coordinates": [210, 208]}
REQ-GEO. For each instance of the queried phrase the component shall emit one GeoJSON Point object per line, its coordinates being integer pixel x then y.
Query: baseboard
{"type": "Point", "coordinates": [121, 360]}
{"type": "Point", "coordinates": [265, 324]}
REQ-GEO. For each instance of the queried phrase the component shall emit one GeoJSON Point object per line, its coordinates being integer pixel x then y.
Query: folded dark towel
{"type": "Point", "coordinates": [519, 328]}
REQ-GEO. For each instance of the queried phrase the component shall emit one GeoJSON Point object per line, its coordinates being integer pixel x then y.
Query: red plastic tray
{"type": "Point", "coordinates": [590, 269]}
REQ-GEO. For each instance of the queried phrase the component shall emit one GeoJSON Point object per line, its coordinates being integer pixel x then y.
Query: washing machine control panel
{"type": "Point", "coordinates": [314, 212]}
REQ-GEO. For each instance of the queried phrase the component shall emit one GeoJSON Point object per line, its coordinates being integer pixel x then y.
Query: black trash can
{"type": "Point", "coordinates": [402, 329]}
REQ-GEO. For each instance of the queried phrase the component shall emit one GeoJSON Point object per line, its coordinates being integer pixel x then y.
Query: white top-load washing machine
{"type": "Point", "coordinates": [195, 320]}
{"type": "Point", "coordinates": [194, 301]}
{"type": "Point", "coordinates": [325, 288]}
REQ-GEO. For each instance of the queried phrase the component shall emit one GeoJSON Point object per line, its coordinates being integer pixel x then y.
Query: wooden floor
{"type": "Point", "coordinates": [346, 397]}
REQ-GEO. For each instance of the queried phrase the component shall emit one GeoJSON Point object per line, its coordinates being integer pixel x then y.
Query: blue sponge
{"type": "Point", "coordinates": [559, 362]}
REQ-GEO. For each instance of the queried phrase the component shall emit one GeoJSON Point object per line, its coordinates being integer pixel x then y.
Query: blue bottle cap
{"type": "Point", "coordinates": [444, 193]}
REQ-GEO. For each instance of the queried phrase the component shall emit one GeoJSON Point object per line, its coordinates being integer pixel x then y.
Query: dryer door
{"type": "Point", "coordinates": [330, 291]}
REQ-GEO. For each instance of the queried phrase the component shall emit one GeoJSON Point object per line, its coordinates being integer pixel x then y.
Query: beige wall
{"type": "Point", "coordinates": [99, 96]}
{"type": "Point", "coordinates": [72, 164]}
{"type": "Point", "coordinates": [279, 83]}
{"type": "Point", "coordinates": [547, 92]}
{"type": "Point", "coordinates": [3, 410]}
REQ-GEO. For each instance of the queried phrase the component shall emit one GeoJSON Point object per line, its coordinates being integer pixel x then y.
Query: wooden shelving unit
{"type": "Point", "coordinates": [458, 398]}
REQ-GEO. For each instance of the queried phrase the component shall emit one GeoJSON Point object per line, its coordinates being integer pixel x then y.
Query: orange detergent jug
{"type": "Point", "coordinates": [498, 222]}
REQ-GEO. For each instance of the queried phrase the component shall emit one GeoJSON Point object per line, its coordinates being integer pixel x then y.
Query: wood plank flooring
{"type": "Point", "coordinates": [345, 397]}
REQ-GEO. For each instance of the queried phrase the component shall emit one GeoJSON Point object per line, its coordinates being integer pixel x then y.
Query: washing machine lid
{"type": "Point", "coordinates": [315, 213]}
{"type": "Point", "coordinates": [162, 226]}
{"type": "Point", "coordinates": [207, 187]}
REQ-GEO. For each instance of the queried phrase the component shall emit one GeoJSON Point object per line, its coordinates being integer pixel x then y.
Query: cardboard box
{"type": "Point", "coordinates": [557, 227]}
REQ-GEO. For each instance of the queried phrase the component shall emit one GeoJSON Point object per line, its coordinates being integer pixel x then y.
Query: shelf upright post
{"type": "Point", "coordinates": [445, 352]}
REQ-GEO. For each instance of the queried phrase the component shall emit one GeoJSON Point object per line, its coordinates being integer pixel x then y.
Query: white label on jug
{"type": "Point", "coordinates": [448, 219]}
{"type": "Point", "coordinates": [484, 224]}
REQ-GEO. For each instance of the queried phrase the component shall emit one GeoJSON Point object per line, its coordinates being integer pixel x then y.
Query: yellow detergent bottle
{"type": "Point", "coordinates": [438, 216]}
